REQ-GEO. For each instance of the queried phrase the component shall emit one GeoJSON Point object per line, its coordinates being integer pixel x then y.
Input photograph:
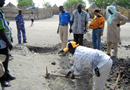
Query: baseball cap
{"type": "Point", "coordinates": [70, 45]}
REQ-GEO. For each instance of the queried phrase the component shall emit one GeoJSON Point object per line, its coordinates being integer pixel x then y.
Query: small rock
{"type": "Point", "coordinates": [71, 64]}
{"type": "Point", "coordinates": [119, 86]}
{"type": "Point", "coordinates": [53, 63]}
{"type": "Point", "coordinates": [109, 79]}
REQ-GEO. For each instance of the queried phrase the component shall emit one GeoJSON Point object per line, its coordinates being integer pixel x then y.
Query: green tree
{"type": "Point", "coordinates": [27, 3]}
{"type": "Point", "coordinates": [70, 3]}
{"type": "Point", "coordinates": [47, 4]}
{"type": "Point", "coordinates": [105, 3]}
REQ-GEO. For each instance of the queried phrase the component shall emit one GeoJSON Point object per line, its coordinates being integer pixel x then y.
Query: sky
{"type": "Point", "coordinates": [39, 3]}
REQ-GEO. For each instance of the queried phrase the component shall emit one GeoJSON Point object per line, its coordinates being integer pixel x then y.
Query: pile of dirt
{"type": "Point", "coordinates": [89, 44]}
{"type": "Point", "coordinates": [124, 81]}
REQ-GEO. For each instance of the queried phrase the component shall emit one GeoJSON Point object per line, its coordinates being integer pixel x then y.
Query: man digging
{"type": "Point", "coordinates": [96, 60]}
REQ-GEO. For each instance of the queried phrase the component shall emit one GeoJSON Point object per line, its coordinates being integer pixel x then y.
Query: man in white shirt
{"type": "Point", "coordinates": [32, 17]}
{"type": "Point", "coordinates": [96, 60]}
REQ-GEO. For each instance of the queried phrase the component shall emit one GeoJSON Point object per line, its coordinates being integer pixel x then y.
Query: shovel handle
{"type": "Point", "coordinates": [121, 70]}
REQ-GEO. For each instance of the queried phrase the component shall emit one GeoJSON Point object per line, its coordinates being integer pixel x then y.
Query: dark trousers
{"type": "Point", "coordinates": [78, 38]}
{"type": "Point", "coordinates": [5, 63]}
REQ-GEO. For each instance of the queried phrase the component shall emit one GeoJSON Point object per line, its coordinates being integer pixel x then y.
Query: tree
{"type": "Point", "coordinates": [105, 3]}
{"type": "Point", "coordinates": [27, 3]}
{"type": "Point", "coordinates": [70, 3]}
{"type": "Point", "coordinates": [47, 4]}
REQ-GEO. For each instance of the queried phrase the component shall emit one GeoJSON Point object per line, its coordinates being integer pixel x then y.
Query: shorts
{"type": "Point", "coordinates": [32, 20]}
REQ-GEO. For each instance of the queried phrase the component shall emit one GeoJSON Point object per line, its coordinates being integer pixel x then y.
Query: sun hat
{"type": "Point", "coordinates": [70, 45]}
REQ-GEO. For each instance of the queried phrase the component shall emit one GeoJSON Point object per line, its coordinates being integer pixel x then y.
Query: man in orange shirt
{"type": "Point", "coordinates": [97, 33]}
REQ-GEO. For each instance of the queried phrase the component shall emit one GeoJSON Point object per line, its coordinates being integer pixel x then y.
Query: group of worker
{"type": "Point", "coordinates": [99, 62]}
{"type": "Point", "coordinates": [95, 59]}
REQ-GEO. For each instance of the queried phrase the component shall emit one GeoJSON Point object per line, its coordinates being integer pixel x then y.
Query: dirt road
{"type": "Point", "coordinates": [30, 60]}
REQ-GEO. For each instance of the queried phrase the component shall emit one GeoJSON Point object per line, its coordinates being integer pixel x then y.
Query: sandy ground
{"type": "Point", "coordinates": [30, 60]}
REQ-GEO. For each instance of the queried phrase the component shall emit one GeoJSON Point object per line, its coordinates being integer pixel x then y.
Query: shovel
{"type": "Point", "coordinates": [121, 70]}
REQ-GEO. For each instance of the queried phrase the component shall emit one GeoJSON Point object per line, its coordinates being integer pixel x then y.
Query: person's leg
{"type": "Point", "coordinates": [65, 36]}
{"type": "Point", "coordinates": [81, 39]}
{"type": "Point", "coordinates": [115, 46]}
{"type": "Point", "coordinates": [5, 63]}
{"type": "Point", "coordinates": [24, 35]}
{"type": "Point", "coordinates": [94, 39]}
{"type": "Point", "coordinates": [109, 48]}
{"type": "Point", "coordinates": [99, 82]}
{"type": "Point", "coordinates": [76, 37]}
{"type": "Point", "coordinates": [19, 36]}
{"type": "Point", "coordinates": [61, 35]}
{"type": "Point", "coordinates": [98, 38]}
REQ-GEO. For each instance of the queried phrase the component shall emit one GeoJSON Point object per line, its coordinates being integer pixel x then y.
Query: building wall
{"type": "Point", "coordinates": [40, 13]}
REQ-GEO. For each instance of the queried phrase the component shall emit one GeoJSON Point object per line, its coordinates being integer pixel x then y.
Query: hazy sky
{"type": "Point", "coordinates": [38, 3]}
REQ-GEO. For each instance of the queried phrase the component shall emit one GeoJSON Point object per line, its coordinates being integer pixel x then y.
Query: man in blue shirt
{"type": "Point", "coordinates": [64, 19]}
{"type": "Point", "coordinates": [20, 26]}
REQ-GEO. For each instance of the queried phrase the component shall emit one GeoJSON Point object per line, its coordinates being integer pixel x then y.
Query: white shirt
{"type": "Point", "coordinates": [79, 22]}
{"type": "Point", "coordinates": [88, 15]}
{"type": "Point", "coordinates": [89, 57]}
{"type": "Point", "coordinates": [31, 16]}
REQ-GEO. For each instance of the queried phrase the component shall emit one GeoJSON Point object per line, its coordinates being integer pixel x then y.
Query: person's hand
{"type": "Point", "coordinates": [68, 74]}
{"type": "Point", "coordinates": [85, 31]}
{"type": "Point", "coordinates": [101, 34]}
{"type": "Point", "coordinates": [118, 25]}
{"type": "Point", "coordinates": [11, 39]}
{"type": "Point", "coordinates": [9, 45]}
{"type": "Point", "coordinates": [70, 30]}
{"type": "Point", "coordinates": [57, 31]}
{"type": "Point", "coordinates": [73, 77]}
{"type": "Point", "coordinates": [61, 51]}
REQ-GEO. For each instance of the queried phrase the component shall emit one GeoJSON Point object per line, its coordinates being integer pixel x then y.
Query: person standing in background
{"type": "Point", "coordinates": [79, 21]}
{"type": "Point", "coordinates": [20, 27]}
{"type": "Point", "coordinates": [115, 20]}
{"type": "Point", "coordinates": [88, 15]}
{"type": "Point", "coordinates": [97, 24]}
{"type": "Point", "coordinates": [64, 19]}
{"type": "Point", "coordinates": [32, 17]}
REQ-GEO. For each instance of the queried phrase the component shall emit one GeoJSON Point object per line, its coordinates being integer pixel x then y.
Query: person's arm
{"type": "Point", "coordinates": [103, 25]}
{"type": "Point", "coordinates": [71, 71]}
{"type": "Point", "coordinates": [123, 19]}
{"type": "Point", "coordinates": [71, 22]}
{"type": "Point", "coordinates": [58, 25]}
{"type": "Point", "coordinates": [86, 22]}
{"type": "Point", "coordinates": [69, 19]}
{"type": "Point", "coordinates": [76, 69]}
{"type": "Point", "coordinates": [3, 35]}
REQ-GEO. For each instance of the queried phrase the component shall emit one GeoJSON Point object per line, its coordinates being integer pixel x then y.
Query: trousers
{"type": "Point", "coordinates": [115, 46]}
{"type": "Point", "coordinates": [99, 82]}
{"type": "Point", "coordinates": [96, 38]}
{"type": "Point", "coordinates": [78, 38]}
{"type": "Point", "coordinates": [63, 35]}
{"type": "Point", "coordinates": [23, 33]}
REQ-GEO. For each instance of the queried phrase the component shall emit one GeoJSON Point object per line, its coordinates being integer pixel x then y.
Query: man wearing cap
{"type": "Point", "coordinates": [79, 21]}
{"type": "Point", "coordinates": [64, 19]}
{"type": "Point", "coordinates": [96, 60]}
{"type": "Point", "coordinates": [4, 46]}
{"type": "Point", "coordinates": [20, 26]}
